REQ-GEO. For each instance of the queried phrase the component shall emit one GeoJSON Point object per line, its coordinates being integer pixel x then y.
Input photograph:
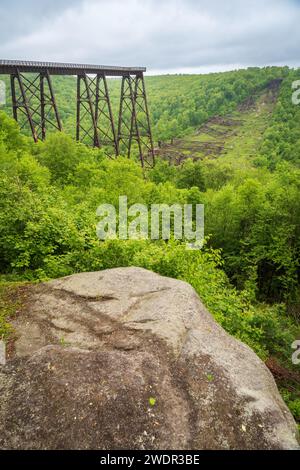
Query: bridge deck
{"type": "Point", "coordinates": [56, 68]}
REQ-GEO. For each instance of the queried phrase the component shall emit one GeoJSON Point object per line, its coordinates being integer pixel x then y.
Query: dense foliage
{"type": "Point", "coordinates": [248, 271]}
{"type": "Point", "coordinates": [282, 138]}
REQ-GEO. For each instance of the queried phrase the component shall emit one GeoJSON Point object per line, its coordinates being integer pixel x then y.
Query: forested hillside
{"type": "Point", "coordinates": [235, 148]}
{"type": "Point", "coordinates": [178, 103]}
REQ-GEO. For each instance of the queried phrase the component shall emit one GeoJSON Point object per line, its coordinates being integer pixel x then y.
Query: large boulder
{"type": "Point", "coordinates": [125, 358]}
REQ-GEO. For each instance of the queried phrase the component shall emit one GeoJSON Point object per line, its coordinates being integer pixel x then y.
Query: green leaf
{"type": "Point", "coordinates": [152, 401]}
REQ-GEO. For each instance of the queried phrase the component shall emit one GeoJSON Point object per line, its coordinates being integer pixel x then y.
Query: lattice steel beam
{"type": "Point", "coordinates": [104, 116]}
{"type": "Point", "coordinates": [33, 97]}
{"type": "Point", "coordinates": [134, 110]}
{"type": "Point", "coordinates": [95, 123]}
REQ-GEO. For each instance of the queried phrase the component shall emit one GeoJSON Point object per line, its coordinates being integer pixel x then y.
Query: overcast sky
{"type": "Point", "coordinates": [164, 35]}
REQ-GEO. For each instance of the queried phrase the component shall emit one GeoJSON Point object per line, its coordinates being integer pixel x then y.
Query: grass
{"type": "Point", "coordinates": [202, 138]}
{"type": "Point", "coordinates": [240, 149]}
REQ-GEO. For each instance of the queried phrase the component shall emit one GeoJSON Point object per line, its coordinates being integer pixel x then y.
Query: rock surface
{"type": "Point", "coordinates": [125, 358]}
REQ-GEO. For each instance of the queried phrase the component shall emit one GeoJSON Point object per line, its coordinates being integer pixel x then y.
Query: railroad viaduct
{"type": "Point", "coordinates": [33, 98]}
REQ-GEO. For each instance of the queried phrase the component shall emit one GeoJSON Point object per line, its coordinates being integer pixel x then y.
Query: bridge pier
{"type": "Point", "coordinates": [33, 97]}
{"type": "Point", "coordinates": [94, 118]}
{"type": "Point", "coordinates": [134, 120]}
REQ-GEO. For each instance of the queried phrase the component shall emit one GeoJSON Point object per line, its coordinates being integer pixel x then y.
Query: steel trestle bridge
{"type": "Point", "coordinates": [33, 99]}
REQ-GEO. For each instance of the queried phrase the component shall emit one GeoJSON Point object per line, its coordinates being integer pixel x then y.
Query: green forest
{"type": "Point", "coordinates": [230, 141]}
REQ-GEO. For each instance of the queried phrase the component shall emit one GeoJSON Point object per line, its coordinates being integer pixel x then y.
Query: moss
{"type": "Point", "coordinates": [10, 302]}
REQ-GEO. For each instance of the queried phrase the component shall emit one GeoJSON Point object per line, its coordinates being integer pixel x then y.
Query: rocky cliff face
{"type": "Point", "coordinates": [125, 358]}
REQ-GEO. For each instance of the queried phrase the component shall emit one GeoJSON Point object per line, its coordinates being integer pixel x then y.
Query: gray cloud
{"type": "Point", "coordinates": [165, 35]}
{"type": "Point", "coordinates": [20, 18]}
